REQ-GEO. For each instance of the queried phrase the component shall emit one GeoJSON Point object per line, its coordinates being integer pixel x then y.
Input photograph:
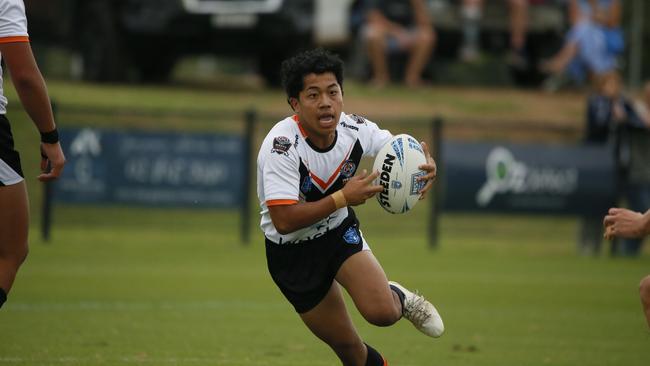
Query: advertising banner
{"type": "Point", "coordinates": [527, 178]}
{"type": "Point", "coordinates": [152, 168]}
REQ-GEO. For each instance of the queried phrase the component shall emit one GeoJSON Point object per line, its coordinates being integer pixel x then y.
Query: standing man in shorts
{"type": "Point", "coordinates": [17, 55]}
{"type": "Point", "coordinates": [306, 184]}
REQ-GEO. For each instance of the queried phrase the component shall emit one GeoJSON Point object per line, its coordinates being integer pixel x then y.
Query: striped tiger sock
{"type": "Point", "coordinates": [374, 358]}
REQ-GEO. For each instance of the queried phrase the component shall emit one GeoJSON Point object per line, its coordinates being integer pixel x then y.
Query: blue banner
{"type": "Point", "coordinates": [527, 178]}
{"type": "Point", "coordinates": [152, 168]}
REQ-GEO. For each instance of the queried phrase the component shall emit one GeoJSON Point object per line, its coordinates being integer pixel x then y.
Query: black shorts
{"type": "Point", "coordinates": [10, 169]}
{"type": "Point", "coordinates": [305, 272]}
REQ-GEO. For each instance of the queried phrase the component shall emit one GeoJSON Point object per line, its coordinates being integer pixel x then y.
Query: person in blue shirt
{"type": "Point", "coordinates": [593, 43]}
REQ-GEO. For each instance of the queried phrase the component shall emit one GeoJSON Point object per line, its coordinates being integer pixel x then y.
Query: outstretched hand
{"type": "Point", "coordinates": [360, 187]}
{"type": "Point", "coordinates": [52, 162]}
{"type": "Point", "coordinates": [431, 169]}
{"type": "Point", "coordinates": [624, 223]}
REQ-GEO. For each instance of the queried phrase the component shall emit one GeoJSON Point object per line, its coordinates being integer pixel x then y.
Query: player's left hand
{"type": "Point", "coordinates": [52, 162]}
{"type": "Point", "coordinates": [430, 168]}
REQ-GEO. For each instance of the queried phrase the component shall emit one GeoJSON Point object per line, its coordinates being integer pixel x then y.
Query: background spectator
{"type": "Point", "coordinates": [604, 112]}
{"type": "Point", "coordinates": [613, 117]}
{"type": "Point", "coordinates": [642, 106]}
{"type": "Point", "coordinates": [518, 18]}
{"type": "Point", "coordinates": [518, 13]}
{"type": "Point", "coordinates": [398, 26]}
{"type": "Point", "coordinates": [624, 223]}
{"type": "Point", "coordinates": [636, 179]}
{"type": "Point", "coordinates": [592, 45]}
{"type": "Point", "coordinates": [471, 12]}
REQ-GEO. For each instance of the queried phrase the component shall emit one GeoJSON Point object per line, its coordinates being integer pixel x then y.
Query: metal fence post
{"type": "Point", "coordinates": [250, 119]}
{"type": "Point", "coordinates": [436, 131]}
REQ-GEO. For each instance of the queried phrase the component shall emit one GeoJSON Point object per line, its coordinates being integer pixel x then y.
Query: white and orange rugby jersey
{"type": "Point", "coordinates": [13, 28]}
{"type": "Point", "coordinates": [291, 170]}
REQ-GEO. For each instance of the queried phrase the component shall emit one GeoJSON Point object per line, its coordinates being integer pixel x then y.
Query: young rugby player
{"type": "Point", "coordinates": [306, 185]}
{"type": "Point", "coordinates": [14, 216]}
{"type": "Point", "coordinates": [624, 223]}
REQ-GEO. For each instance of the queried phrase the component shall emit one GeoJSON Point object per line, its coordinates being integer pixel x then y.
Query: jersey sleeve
{"type": "Point", "coordinates": [373, 138]}
{"type": "Point", "coordinates": [13, 22]}
{"type": "Point", "coordinates": [280, 172]}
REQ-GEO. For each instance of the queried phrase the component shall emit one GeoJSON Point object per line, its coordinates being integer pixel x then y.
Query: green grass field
{"type": "Point", "coordinates": [135, 286]}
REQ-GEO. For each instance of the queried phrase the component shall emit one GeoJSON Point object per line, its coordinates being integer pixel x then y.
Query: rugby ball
{"type": "Point", "coordinates": [397, 163]}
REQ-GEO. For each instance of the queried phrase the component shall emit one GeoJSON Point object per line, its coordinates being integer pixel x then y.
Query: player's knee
{"type": "Point", "coordinates": [644, 290]}
{"type": "Point", "coordinates": [382, 315]}
{"type": "Point", "coordinates": [15, 254]}
{"type": "Point", "coordinates": [22, 253]}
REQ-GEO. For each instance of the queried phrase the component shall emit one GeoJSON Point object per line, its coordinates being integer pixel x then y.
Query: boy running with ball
{"type": "Point", "coordinates": [306, 185]}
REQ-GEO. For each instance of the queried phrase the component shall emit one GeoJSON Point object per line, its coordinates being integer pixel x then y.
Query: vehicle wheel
{"type": "Point", "coordinates": [100, 44]}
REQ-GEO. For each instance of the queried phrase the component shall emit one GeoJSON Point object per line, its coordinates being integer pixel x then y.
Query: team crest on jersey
{"type": "Point", "coordinates": [281, 145]}
{"type": "Point", "coordinates": [306, 185]}
{"type": "Point", "coordinates": [352, 236]}
{"type": "Point", "coordinates": [348, 168]}
{"type": "Point", "coordinates": [358, 119]}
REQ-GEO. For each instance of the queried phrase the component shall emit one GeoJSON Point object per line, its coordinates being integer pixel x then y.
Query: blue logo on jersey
{"type": "Point", "coordinates": [352, 236]}
{"type": "Point", "coordinates": [398, 146]}
{"type": "Point", "coordinates": [306, 185]}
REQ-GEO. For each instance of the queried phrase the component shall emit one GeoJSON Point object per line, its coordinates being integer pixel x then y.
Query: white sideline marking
{"type": "Point", "coordinates": [140, 306]}
{"type": "Point", "coordinates": [136, 360]}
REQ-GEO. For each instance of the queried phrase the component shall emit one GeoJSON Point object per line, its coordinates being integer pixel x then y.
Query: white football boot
{"type": "Point", "coordinates": [421, 313]}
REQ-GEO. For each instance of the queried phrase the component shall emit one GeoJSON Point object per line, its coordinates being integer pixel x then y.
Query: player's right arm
{"type": "Point", "coordinates": [288, 218]}
{"type": "Point", "coordinates": [28, 81]}
{"type": "Point", "coordinates": [32, 91]}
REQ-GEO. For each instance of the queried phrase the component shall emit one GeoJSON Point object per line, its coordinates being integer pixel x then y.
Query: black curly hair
{"type": "Point", "coordinates": [316, 61]}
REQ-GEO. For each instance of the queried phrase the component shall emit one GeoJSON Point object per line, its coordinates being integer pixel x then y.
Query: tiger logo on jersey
{"type": "Point", "coordinates": [358, 119]}
{"type": "Point", "coordinates": [281, 145]}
